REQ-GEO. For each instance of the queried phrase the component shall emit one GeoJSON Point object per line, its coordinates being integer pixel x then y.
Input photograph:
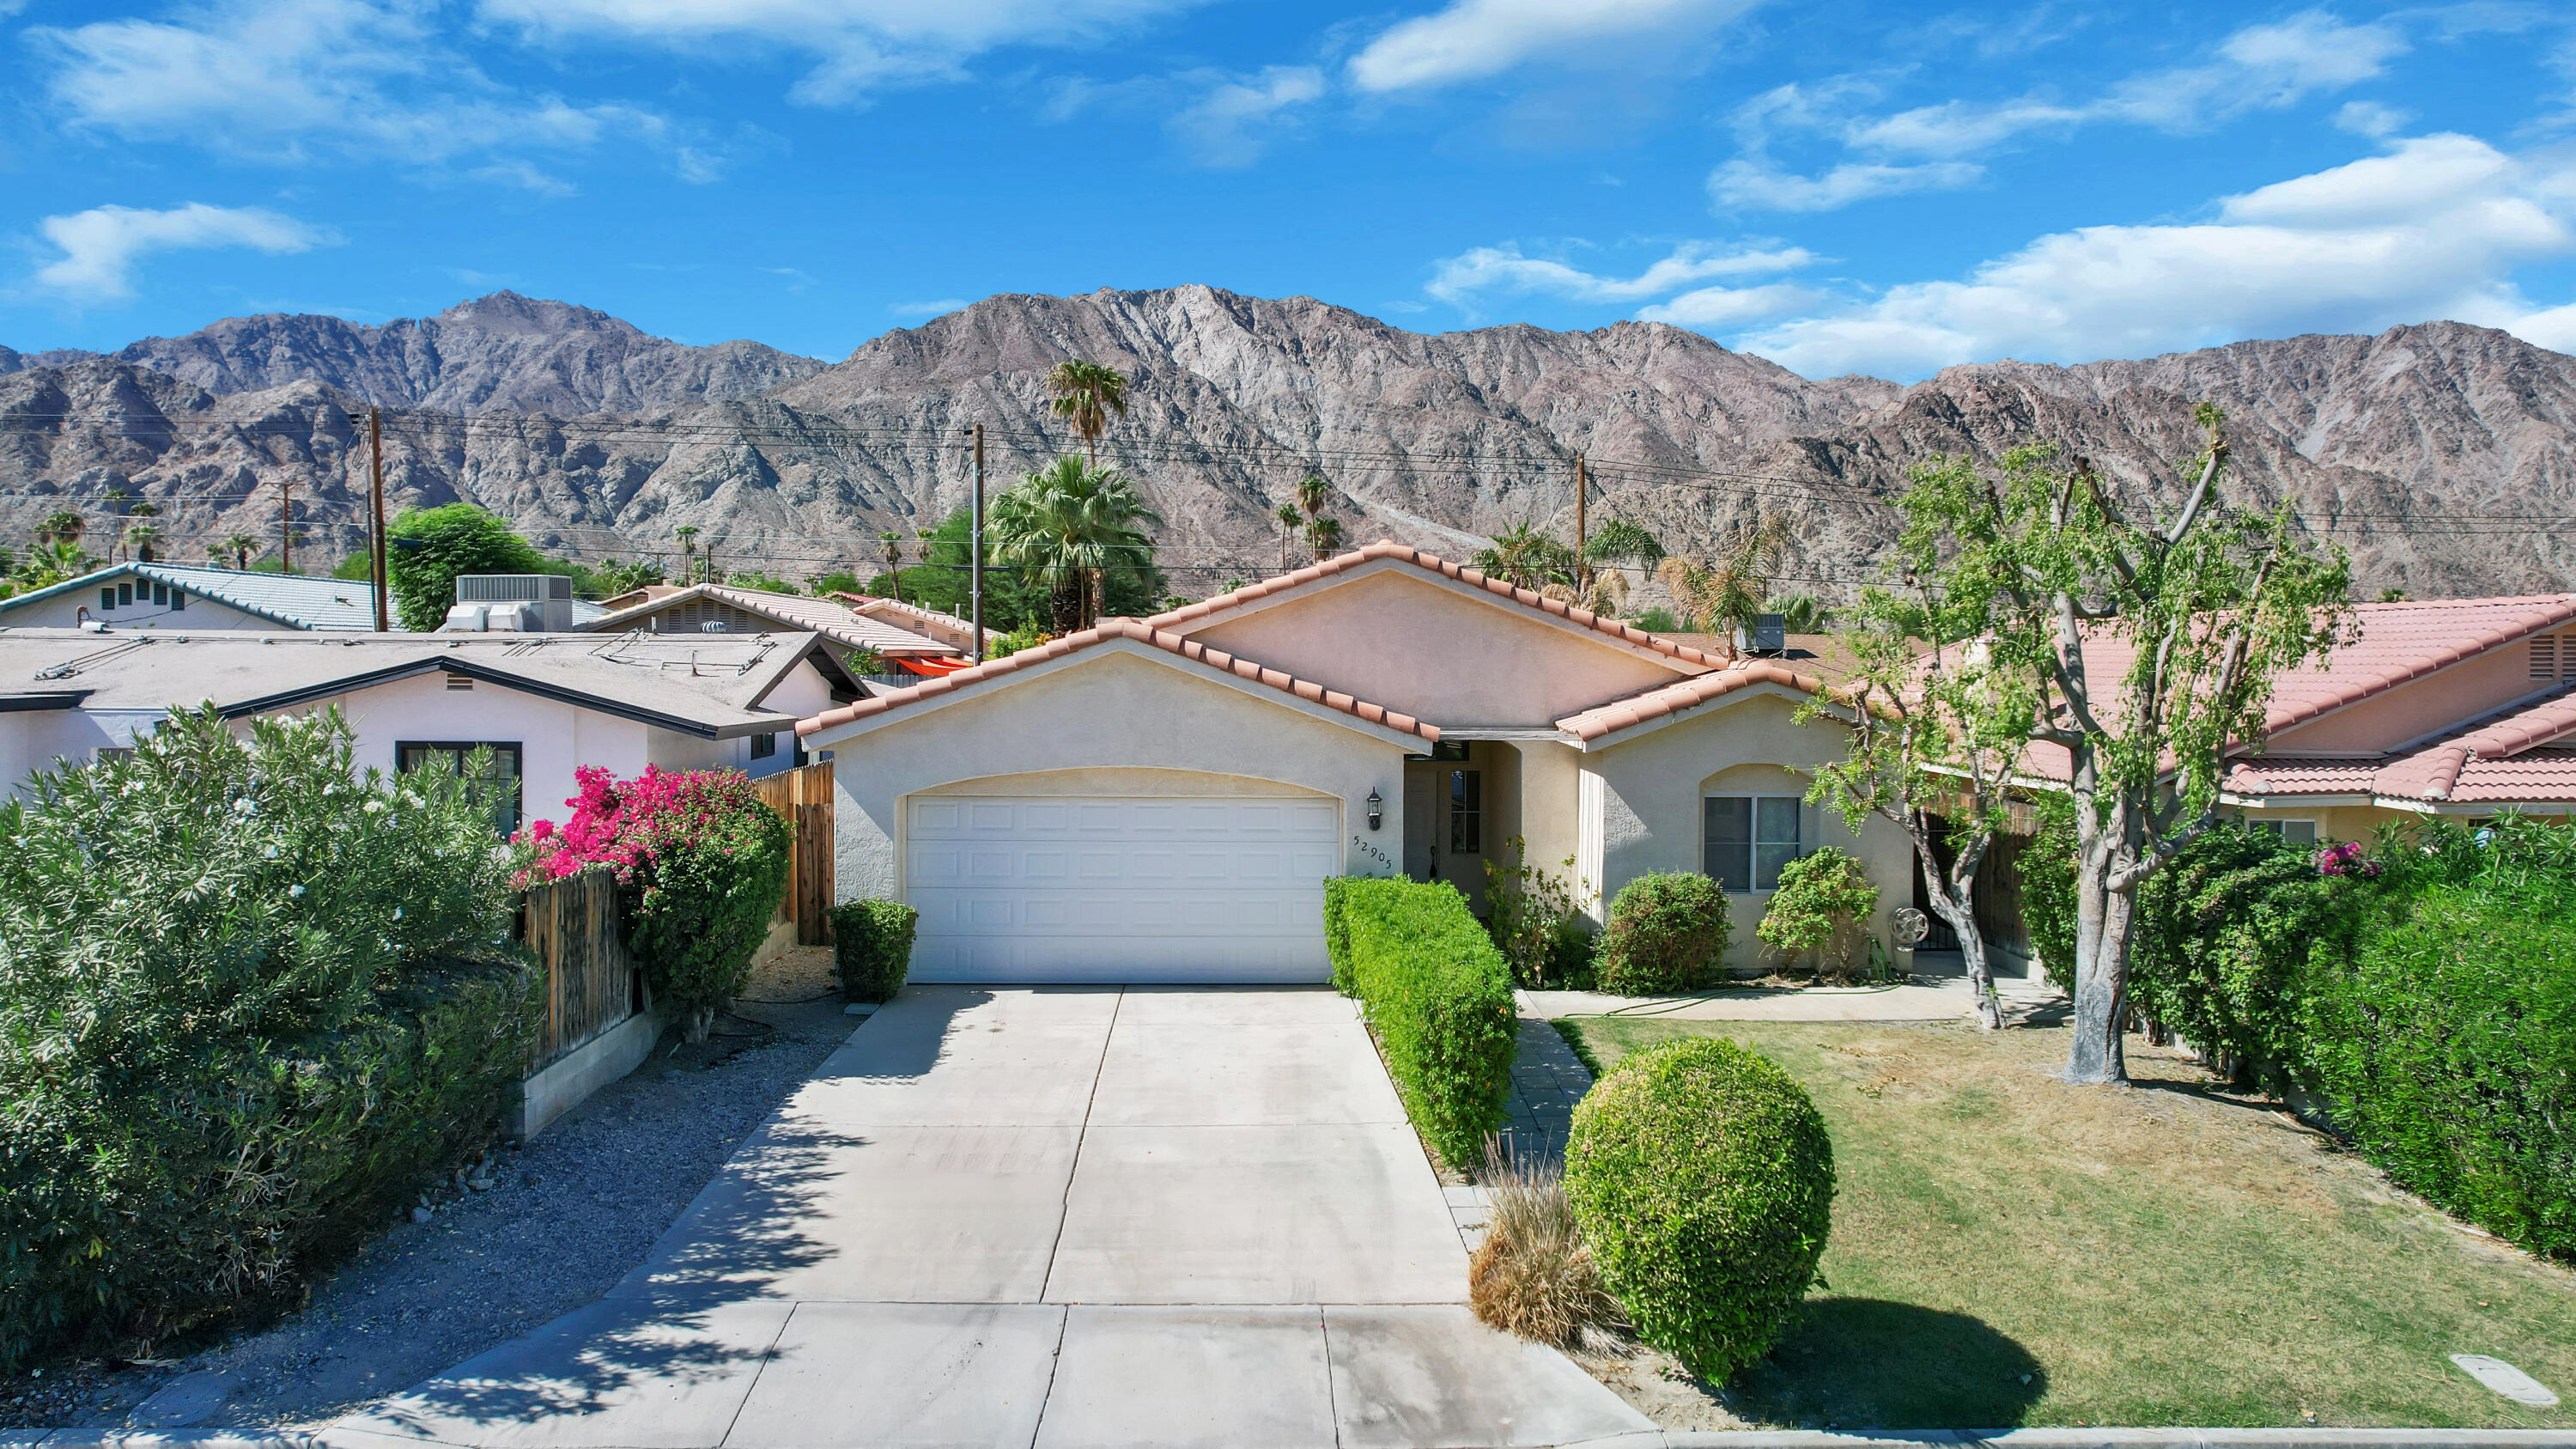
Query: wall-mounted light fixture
{"type": "Point", "coordinates": [1377, 809]}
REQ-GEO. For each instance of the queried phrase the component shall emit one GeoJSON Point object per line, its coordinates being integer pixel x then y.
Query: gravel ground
{"type": "Point", "coordinates": [567, 1215]}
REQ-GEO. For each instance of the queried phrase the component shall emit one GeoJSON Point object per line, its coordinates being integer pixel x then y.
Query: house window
{"type": "Point", "coordinates": [160, 593]}
{"type": "Point", "coordinates": [1450, 750]}
{"type": "Point", "coordinates": [1747, 838]}
{"type": "Point", "coordinates": [125, 593]}
{"type": "Point", "coordinates": [1466, 812]}
{"type": "Point", "coordinates": [2296, 832]}
{"type": "Point", "coordinates": [763, 746]}
{"type": "Point", "coordinates": [178, 599]}
{"type": "Point", "coordinates": [502, 778]}
{"type": "Point", "coordinates": [106, 598]}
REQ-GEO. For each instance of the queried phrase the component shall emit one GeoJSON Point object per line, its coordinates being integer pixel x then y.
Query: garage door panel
{"type": "Point", "coordinates": [1153, 888]}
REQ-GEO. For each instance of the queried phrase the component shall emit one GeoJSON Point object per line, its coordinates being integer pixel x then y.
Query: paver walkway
{"type": "Point", "coordinates": [1052, 1217]}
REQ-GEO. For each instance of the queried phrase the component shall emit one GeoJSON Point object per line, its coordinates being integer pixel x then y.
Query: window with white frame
{"type": "Point", "coordinates": [2295, 832]}
{"type": "Point", "coordinates": [1745, 839]}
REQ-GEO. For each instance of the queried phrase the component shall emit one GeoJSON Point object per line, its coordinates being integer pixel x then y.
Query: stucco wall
{"type": "Point", "coordinates": [1097, 721]}
{"type": "Point", "coordinates": [203, 615]}
{"type": "Point", "coordinates": [1403, 640]}
{"type": "Point", "coordinates": [2434, 704]}
{"type": "Point", "coordinates": [1650, 790]}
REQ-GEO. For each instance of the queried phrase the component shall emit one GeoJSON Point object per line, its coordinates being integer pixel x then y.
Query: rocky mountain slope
{"type": "Point", "coordinates": [599, 440]}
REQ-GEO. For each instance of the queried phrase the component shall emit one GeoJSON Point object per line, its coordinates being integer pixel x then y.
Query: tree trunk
{"type": "Point", "coordinates": [2102, 919]}
{"type": "Point", "coordinates": [1955, 902]}
{"type": "Point", "coordinates": [1064, 605]}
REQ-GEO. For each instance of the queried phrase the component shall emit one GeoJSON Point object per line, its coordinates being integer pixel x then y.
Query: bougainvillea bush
{"type": "Point", "coordinates": [250, 997]}
{"type": "Point", "coordinates": [702, 861]}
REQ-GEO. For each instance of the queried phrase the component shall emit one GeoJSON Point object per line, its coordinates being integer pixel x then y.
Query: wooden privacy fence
{"type": "Point", "coordinates": [574, 927]}
{"type": "Point", "coordinates": [803, 798]}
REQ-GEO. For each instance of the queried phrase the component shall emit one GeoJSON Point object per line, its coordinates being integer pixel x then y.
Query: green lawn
{"type": "Point", "coordinates": [2164, 1255]}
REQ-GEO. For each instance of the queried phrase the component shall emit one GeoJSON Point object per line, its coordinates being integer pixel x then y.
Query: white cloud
{"type": "Point", "coordinates": [858, 45]}
{"type": "Point", "coordinates": [1474, 39]}
{"type": "Point", "coordinates": [2370, 118]}
{"type": "Point", "coordinates": [101, 246]}
{"type": "Point", "coordinates": [1749, 184]}
{"type": "Point", "coordinates": [1731, 306]}
{"type": "Point", "coordinates": [1461, 279]}
{"type": "Point", "coordinates": [940, 308]}
{"type": "Point", "coordinates": [2434, 229]}
{"type": "Point", "coordinates": [2257, 67]}
{"type": "Point", "coordinates": [1230, 124]}
{"type": "Point", "coordinates": [282, 80]}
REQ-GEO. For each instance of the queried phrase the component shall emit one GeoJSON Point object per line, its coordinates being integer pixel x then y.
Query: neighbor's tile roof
{"type": "Point", "coordinates": [872, 605]}
{"type": "Point", "coordinates": [1667, 699]}
{"type": "Point", "coordinates": [803, 613]}
{"type": "Point", "coordinates": [1142, 632]}
{"type": "Point", "coordinates": [2508, 758]}
{"type": "Point", "coordinates": [1343, 563]}
{"type": "Point", "coordinates": [299, 601]}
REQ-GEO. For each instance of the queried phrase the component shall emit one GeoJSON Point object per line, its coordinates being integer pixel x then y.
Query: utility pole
{"type": "Point", "coordinates": [285, 524]}
{"type": "Point", "coordinates": [376, 535]}
{"type": "Point", "coordinates": [975, 542]}
{"type": "Point", "coordinates": [1582, 565]}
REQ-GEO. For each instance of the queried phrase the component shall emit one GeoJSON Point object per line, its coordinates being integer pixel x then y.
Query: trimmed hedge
{"type": "Point", "coordinates": [1667, 932]}
{"type": "Point", "coordinates": [1439, 997]}
{"type": "Point", "coordinates": [1704, 1181]}
{"type": "Point", "coordinates": [872, 946]}
{"type": "Point", "coordinates": [250, 999]}
{"type": "Point", "coordinates": [2448, 1049]}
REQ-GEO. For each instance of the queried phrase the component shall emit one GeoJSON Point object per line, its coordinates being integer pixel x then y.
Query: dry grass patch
{"type": "Point", "coordinates": [1532, 1275]}
{"type": "Point", "coordinates": [2009, 1250]}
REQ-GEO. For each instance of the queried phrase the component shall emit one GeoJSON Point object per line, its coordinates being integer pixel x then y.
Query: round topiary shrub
{"type": "Point", "coordinates": [1704, 1182]}
{"type": "Point", "coordinates": [1667, 932]}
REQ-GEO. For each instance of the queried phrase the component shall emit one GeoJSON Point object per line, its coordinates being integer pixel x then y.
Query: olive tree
{"type": "Point", "coordinates": [2134, 651]}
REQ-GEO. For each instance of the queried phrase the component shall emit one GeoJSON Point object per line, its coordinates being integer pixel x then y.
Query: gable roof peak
{"type": "Point", "coordinates": [1431, 563]}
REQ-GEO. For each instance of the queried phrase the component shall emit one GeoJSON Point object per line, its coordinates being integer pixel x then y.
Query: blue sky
{"type": "Point", "coordinates": [1839, 186]}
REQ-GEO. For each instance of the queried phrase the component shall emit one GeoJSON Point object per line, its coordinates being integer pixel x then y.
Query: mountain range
{"type": "Point", "coordinates": [2442, 455]}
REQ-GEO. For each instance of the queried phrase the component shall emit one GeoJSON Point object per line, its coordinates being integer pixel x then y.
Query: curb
{"type": "Point", "coordinates": [2106, 1438]}
{"type": "Point", "coordinates": [154, 1439]}
{"type": "Point", "coordinates": [2095, 1440]}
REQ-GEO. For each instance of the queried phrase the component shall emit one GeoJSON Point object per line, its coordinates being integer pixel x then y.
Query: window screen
{"type": "Point", "coordinates": [502, 777]}
{"type": "Point", "coordinates": [1748, 838]}
{"type": "Point", "coordinates": [2296, 832]}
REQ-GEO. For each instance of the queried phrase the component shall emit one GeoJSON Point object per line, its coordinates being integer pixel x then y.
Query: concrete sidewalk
{"type": "Point", "coordinates": [1060, 1217]}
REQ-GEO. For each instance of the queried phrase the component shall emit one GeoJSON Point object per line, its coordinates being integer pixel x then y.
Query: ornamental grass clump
{"type": "Point", "coordinates": [702, 863]}
{"type": "Point", "coordinates": [250, 998]}
{"type": "Point", "coordinates": [1703, 1180]}
{"type": "Point", "coordinates": [1532, 1275]}
{"type": "Point", "coordinates": [1667, 932]}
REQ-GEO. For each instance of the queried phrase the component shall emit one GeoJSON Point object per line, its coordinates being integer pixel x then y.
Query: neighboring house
{"type": "Point", "coordinates": [723, 609]}
{"type": "Point", "coordinates": [1162, 799]}
{"type": "Point", "coordinates": [545, 703]}
{"type": "Point", "coordinates": [199, 600]}
{"type": "Point", "coordinates": [958, 634]}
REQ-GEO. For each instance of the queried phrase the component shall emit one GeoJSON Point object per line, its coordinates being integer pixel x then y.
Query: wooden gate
{"type": "Point", "coordinates": [592, 984]}
{"type": "Point", "coordinates": [803, 798]}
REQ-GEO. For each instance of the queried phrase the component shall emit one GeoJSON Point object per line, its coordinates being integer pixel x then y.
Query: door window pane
{"type": "Point", "coordinates": [1466, 812]}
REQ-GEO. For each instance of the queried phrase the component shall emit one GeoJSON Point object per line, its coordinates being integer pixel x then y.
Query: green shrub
{"type": "Point", "coordinates": [1667, 932]}
{"type": "Point", "coordinates": [2447, 1046]}
{"type": "Point", "coordinates": [2047, 865]}
{"type": "Point", "coordinates": [1531, 914]}
{"type": "Point", "coordinates": [1439, 997]}
{"type": "Point", "coordinates": [1704, 1181]}
{"type": "Point", "coordinates": [2224, 934]}
{"type": "Point", "coordinates": [1821, 902]}
{"type": "Point", "coordinates": [872, 942]}
{"type": "Point", "coordinates": [250, 999]}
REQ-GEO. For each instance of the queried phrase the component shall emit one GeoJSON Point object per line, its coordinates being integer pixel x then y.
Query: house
{"type": "Point", "coordinates": [199, 600]}
{"type": "Point", "coordinates": [1163, 798]}
{"type": "Point", "coordinates": [545, 703]}
{"type": "Point", "coordinates": [721, 608]}
{"type": "Point", "coordinates": [958, 634]}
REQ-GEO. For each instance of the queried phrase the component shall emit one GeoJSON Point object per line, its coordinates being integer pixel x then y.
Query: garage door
{"type": "Point", "coordinates": [1121, 888]}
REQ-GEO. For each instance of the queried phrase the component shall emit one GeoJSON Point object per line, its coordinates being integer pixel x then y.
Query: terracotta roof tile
{"type": "Point", "coordinates": [2292, 775]}
{"type": "Point", "coordinates": [2503, 759]}
{"type": "Point", "coordinates": [1343, 563]}
{"type": "Point", "coordinates": [1636, 709]}
{"type": "Point", "coordinates": [1142, 632]}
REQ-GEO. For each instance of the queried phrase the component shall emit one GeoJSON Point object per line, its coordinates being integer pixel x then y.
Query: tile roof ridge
{"type": "Point", "coordinates": [1628, 711]}
{"type": "Point", "coordinates": [1139, 630]}
{"type": "Point", "coordinates": [1386, 548]}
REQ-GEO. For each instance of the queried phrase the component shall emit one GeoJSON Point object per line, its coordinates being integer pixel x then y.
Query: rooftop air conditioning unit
{"type": "Point", "coordinates": [1769, 635]}
{"type": "Point", "coordinates": [512, 603]}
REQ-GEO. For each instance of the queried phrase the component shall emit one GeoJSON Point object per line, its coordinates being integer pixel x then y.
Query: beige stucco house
{"type": "Point", "coordinates": [1163, 798]}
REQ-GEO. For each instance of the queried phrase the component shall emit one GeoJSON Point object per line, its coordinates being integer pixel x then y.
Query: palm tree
{"type": "Point", "coordinates": [1728, 592]}
{"type": "Point", "coordinates": [241, 546]}
{"type": "Point", "coordinates": [139, 538]}
{"type": "Point", "coordinates": [63, 526]}
{"type": "Point", "coordinates": [893, 543]}
{"type": "Point", "coordinates": [1067, 525]}
{"type": "Point", "coordinates": [1088, 393]}
{"type": "Point", "coordinates": [1526, 558]}
{"type": "Point", "coordinates": [1290, 520]}
{"type": "Point", "coordinates": [1324, 538]}
{"type": "Point", "coordinates": [687, 533]}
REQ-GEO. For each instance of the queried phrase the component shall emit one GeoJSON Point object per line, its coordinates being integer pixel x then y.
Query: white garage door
{"type": "Point", "coordinates": [1121, 888]}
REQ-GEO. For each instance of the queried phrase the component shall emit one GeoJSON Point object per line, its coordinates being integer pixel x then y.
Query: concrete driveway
{"type": "Point", "coordinates": [1056, 1217]}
